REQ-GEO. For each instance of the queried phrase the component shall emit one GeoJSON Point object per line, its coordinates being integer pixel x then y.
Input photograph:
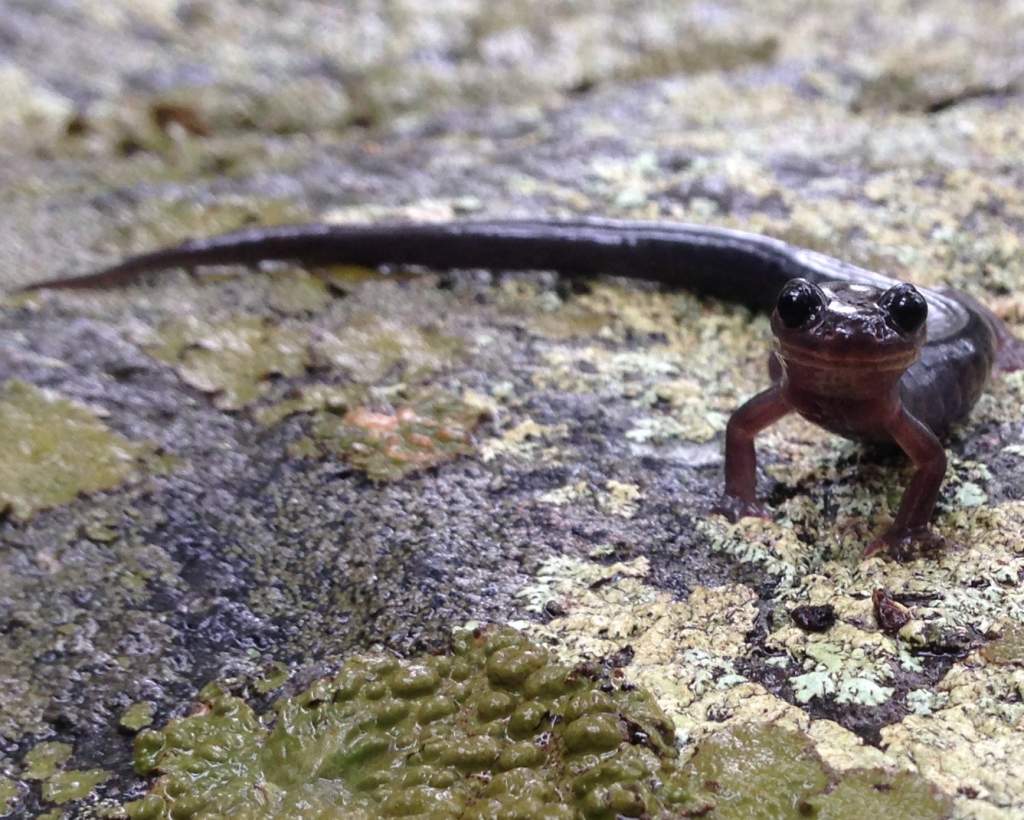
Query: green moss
{"type": "Point", "coordinates": [45, 758]}
{"type": "Point", "coordinates": [72, 785]}
{"type": "Point", "coordinates": [770, 771]}
{"type": "Point", "coordinates": [762, 771]}
{"type": "Point", "coordinates": [137, 716]}
{"type": "Point", "coordinates": [494, 729]}
{"type": "Point", "coordinates": [877, 793]}
{"type": "Point", "coordinates": [55, 449]}
{"type": "Point", "coordinates": [427, 429]}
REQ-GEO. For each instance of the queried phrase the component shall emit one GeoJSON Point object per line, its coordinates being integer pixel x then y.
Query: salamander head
{"type": "Point", "coordinates": [841, 326]}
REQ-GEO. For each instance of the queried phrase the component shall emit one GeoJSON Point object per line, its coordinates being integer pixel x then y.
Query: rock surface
{"type": "Point", "coordinates": [541, 456]}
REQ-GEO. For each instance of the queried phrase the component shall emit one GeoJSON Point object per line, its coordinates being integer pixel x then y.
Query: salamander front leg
{"type": "Point", "coordinates": [740, 496]}
{"type": "Point", "coordinates": [909, 532]}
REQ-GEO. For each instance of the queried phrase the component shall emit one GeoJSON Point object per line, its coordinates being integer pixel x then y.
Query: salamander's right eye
{"type": "Point", "coordinates": [799, 303]}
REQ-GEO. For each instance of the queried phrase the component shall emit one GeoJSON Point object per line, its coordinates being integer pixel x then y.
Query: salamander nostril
{"type": "Point", "coordinates": [799, 303]}
{"type": "Point", "coordinates": [905, 307]}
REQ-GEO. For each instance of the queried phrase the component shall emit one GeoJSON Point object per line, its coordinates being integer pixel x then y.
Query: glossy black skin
{"type": "Point", "coordinates": [853, 370]}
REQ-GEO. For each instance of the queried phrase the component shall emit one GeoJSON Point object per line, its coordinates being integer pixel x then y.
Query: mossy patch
{"type": "Point", "coordinates": [496, 728]}
{"type": "Point", "coordinates": [759, 770]}
{"type": "Point", "coordinates": [880, 793]}
{"type": "Point", "coordinates": [55, 450]}
{"type": "Point", "coordinates": [425, 429]}
{"type": "Point", "coordinates": [231, 359]}
{"type": "Point", "coordinates": [769, 771]}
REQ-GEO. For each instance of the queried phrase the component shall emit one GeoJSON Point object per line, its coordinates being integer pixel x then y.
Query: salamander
{"type": "Point", "coordinates": [858, 353]}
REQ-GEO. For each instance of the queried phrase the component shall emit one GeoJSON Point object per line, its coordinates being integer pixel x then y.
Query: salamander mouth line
{"type": "Point", "coordinates": [892, 361]}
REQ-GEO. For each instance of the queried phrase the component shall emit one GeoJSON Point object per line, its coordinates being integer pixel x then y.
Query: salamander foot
{"type": "Point", "coordinates": [907, 544]}
{"type": "Point", "coordinates": [734, 508]}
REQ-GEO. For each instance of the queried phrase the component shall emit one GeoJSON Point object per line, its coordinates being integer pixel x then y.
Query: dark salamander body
{"type": "Point", "coordinates": [858, 353]}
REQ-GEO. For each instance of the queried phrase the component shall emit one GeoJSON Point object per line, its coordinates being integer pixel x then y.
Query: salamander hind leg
{"type": "Point", "coordinates": [1010, 353]}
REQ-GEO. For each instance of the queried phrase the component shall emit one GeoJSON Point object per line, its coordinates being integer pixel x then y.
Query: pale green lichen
{"type": "Point", "coordinates": [64, 787]}
{"type": "Point", "coordinates": [682, 651]}
{"type": "Point", "coordinates": [527, 440]}
{"type": "Point", "coordinates": [810, 685]}
{"type": "Point", "coordinates": [231, 359]}
{"type": "Point", "coordinates": [561, 576]}
{"type": "Point", "coordinates": [620, 498]}
{"type": "Point", "coordinates": [308, 399]}
{"type": "Point", "coordinates": [668, 374]}
{"type": "Point", "coordinates": [1008, 648]}
{"type": "Point", "coordinates": [971, 743]}
{"type": "Point", "coordinates": [8, 794]}
{"type": "Point", "coordinates": [497, 728]}
{"type": "Point", "coordinates": [56, 450]}
{"type": "Point", "coordinates": [298, 293]}
{"type": "Point", "coordinates": [369, 348]}
{"type": "Point", "coordinates": [45, 758]}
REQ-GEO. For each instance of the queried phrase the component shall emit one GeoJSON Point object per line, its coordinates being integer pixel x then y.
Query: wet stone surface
{"type": "Point", "coordinates": [331, 463]}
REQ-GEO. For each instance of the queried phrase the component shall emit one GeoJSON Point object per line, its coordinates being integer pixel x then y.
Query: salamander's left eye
{"type": "Point", "coordinates": [905, 307]}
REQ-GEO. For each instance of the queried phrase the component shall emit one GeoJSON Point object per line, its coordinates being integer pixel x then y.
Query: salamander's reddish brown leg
{"type": "Point", "coordinates": [763, 410]}
{"type": "Point", "coordinates": [910, 527]}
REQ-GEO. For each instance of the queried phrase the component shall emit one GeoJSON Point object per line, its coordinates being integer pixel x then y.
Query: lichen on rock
{"type": "Point", "coordinates": [57, 449]}
{"type": "Point", "coordinates": [44, 759]}
{"type": "Point", "coordinates": [8, 793]}
{"type": "Point", "coordinates": [425, 428]}
{"type": "Point", "coordinates": [230, 359]}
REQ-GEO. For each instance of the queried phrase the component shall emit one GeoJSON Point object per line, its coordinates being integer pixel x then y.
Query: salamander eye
{"type": "Point", "coordinates": [905, 307]}
{"type": "Point", "coordinates": [799, 303]}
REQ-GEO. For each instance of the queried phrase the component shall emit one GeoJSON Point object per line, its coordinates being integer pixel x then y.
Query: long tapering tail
{"type": "Point", "coordinates": [732, 265]}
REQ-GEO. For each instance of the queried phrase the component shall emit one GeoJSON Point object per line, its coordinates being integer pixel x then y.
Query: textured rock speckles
{"type": "Point", "coordinates": [882, 132]}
